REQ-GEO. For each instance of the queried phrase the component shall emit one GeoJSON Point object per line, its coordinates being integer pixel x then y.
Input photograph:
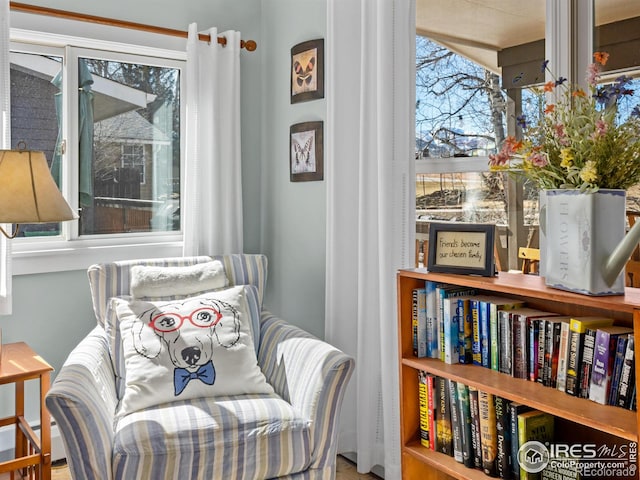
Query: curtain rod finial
{"type": "Point", "coordinates": [249, 45]}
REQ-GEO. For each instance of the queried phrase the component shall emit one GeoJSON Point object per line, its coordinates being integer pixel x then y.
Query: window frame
{"type": "Point", "coordinates": [69, 251]}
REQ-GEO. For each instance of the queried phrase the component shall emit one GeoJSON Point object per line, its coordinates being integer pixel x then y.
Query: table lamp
{"type": "Point", "coordinates": [28, 193]}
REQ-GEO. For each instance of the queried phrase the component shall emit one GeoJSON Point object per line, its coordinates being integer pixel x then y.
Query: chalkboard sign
{"type": "Point", "coordinates": [465, 248]}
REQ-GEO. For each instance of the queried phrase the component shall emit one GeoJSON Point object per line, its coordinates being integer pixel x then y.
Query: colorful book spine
{"type": "Point", "coordinates": [414, 320]}
{"type": "Point", "coordinates": [475, 427]}
{"type": "Point", "coordinates": [432, 319]}
{"type": "Point", "coordinates": [485, 351]}
{"type": "Point", "coordinates": [423, 408]}
{"type": "Point", "coordinates": [422, 323]}
{"type": "Point", "coordinates": [627, 376]}
{"type": "Point", "coordinates": [451, 321]}
{"type": "Point", "coordinates": [444, 433]}
{"type": "Point", "coordinates": [604, 352]}
{"type": "Point", "coordinates": [618, 362]}
{"type": "Point", "coordinates": [456, 423]}
{"type": "Point", "coordinates": [519, 347]}
{"type": "Point", "coordinates": [503, 435]}
{"type": "Point", "coordinates": [465, 332]}
{"type": "Point", "coordinates": [584, 374]}
{"type": "Point", "coordinates": [534, 425]}
{"type": "Point", "coordinates": [534, 350]}
{"type": "Point", "coordinates": [505, 339]}
{"type": "Point", "coordinates": [577, 330]}
{"type": "Point", "coordinates": [464, 407]}
{"type": "Point", "coordinates": [515, 409]}
{"type": "Point", "coordinates": [495, 306]}
{"type": "Point", "coordinates": [474, 306]}
{"type": "Point", "coordinates": [431, 409]}
{"type": "Point", "coordinates": [563, 357]}
{"type": "Point", "coordinates": [488, 437]}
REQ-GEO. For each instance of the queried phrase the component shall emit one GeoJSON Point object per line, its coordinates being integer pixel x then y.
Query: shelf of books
{"type": "Point", "coordinates": [504, 377]}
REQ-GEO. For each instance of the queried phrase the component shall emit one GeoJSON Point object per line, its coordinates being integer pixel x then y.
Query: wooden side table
{"type": "Point", "coordinates": [32, 454]}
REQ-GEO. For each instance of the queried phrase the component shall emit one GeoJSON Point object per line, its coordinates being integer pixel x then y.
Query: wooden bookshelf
{"type": "Point", "coordinates": [583, 416]}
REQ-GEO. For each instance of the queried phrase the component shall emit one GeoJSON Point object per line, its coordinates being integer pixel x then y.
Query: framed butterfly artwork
{"type": "Point", "coordinates": [306, 150]}
{"type": "Point", "coordinates": [307, 71]}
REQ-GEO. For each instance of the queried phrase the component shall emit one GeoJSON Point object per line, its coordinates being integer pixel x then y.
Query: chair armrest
{"type": "Point", "coordinates": [82, 400]}
{"type": "Point", "coordinates": [311, 375]}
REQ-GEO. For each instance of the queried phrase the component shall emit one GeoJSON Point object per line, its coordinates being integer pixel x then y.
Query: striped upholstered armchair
{"type": "Point", "coordinates": [290, 433]}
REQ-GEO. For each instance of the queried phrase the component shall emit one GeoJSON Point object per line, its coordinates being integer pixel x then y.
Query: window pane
{"type": "Point", "coordinates": [129, 130]}
{"type": "Point", "coordinates": [35, 101]}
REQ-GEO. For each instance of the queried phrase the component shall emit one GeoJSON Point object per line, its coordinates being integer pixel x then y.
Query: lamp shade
{"type": "Point", "coordinates": [28, 193]}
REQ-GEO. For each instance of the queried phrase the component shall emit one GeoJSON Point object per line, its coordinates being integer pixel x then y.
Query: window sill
{"type": "Point", "coordinates": [57, 256]}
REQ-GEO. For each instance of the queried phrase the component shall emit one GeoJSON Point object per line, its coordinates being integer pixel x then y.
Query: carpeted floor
{"type": "Point", "coordinates": [345, 470]}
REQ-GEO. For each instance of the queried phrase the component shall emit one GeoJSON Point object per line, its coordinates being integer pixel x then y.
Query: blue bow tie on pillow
{"type": "Point", "coordinates": [181, 376]}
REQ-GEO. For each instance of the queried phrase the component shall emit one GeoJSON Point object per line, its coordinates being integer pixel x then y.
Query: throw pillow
{"type": "Point", "coordinates": [181, 349]}
{"type": "Point", "coordinates": [150, 281]}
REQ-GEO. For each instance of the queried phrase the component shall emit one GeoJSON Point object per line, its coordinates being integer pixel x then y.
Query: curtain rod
{"type": "Point", "coordinates": [249, 45]}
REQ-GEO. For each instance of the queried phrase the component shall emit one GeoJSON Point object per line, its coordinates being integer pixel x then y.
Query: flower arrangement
{"type": "Point", "coordinates": [577, 144]}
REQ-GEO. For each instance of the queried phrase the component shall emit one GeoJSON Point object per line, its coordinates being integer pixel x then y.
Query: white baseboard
{"type": "Point", "coordinates": [7, 439]}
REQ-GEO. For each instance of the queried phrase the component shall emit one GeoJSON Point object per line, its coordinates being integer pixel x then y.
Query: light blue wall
{"type": "Point", "coordinates": [52, 312]}
{"type": "Point", "coordinates": [293, 213]}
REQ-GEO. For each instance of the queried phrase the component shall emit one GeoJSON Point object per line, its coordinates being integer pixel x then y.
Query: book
{"type": "Point", "coordinates": [584, 373]}
{"type": "Point", "coordinates": [496, 305]}
{"type": "Point", "coordinates": [505, 338]}
{"type": "Point", "coordinates": [577, 330]}
{"type": "Point", "coordinates": [515, 409]}
{"type": "Point", "coordinates": [533, 425]}
{"type": "Point", "coordinates": [456, 423]}
{"type": "Point", "coordinates": [452, 319]}
{"type": "Point", "coordinates": [488, 436]}
{"type": "Point", "coordinates": [431, 409]}
{"type": "Point", "coordinates": [563, 356]}
{"type": "Point", "coordinates": [627, 376]}
{"type": "Point", "coordinates": [423, 408]}
{"type": "Point", "coordinates": [536, 349]}
{"type": "Point", "coordinates": [551, 347]}
{"type": "Point", "coordinates": [442, 417]}
{"type": "Point", "coordinates": [618, 362]}
{"type": "Point", "coordinates": [604, 350]}
{"type": "Point", "coordinates": [443, 292]}
{"type": "Point", "coordinates": [503, 435]}
{"type": "Point", "coordinates": [474, 308]}
{"type": "Point", "coordinates": [464, 407]}
{"type": "Point", "coordinates": [432, 319]}
{"type": "Point", "coordinates": [521, 319]}
{"type": "Point", "coordinates": [475, 427]}
{"type": "Point", "coordinates": [465, 332]}
{"type": "Point", "coordinates": [420, 322]}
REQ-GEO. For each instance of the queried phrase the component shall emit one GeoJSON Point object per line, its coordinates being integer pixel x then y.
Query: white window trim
{"type": "Point", "coordinates": [452, 165]}
{"type": "Point", "coordinates": [54, 254]}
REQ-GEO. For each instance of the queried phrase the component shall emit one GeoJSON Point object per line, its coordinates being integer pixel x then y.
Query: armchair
{"type": "Point", "coordinates": [289, 434]}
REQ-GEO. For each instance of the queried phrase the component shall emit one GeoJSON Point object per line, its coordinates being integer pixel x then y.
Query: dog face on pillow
{"type": "Point", "coordinates": [188, 330]}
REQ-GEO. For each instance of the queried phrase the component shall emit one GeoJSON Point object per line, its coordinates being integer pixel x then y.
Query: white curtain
{"type": "Point", "coordinates": [5, 128]}
{"type": "Point", "coordinates": [371, 209]}
{"type": "Point", "coordinates": [212, 205]}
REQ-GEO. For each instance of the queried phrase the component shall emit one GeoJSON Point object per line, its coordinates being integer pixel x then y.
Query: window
{"type": "Point", "coordinates": [110, 124]}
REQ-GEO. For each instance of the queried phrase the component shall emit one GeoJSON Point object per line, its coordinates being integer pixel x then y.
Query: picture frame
{"type": "Point", "coordinates": [307, 71]}
{"type": "Point", "coordinates": [306, 142]}
{"type": "Point", "coordinates": [464, 248]}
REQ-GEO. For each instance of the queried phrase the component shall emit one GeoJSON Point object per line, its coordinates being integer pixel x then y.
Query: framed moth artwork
{"type": "Point", "coordinates": [305, 152]}
{"type": "Point", "coordinates": [307, 71]}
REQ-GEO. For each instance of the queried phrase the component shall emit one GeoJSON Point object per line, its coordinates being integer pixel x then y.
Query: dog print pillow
{"type": "Point", "coordinates": [200, 346]}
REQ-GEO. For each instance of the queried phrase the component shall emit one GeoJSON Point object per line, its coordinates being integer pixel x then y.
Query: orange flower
{"type": "Point", "coordinates": [601, 57]}
{"type": "Point", "coordinates": [549, 108]}
{"type": "Point", "coordinates": [579, 93]}
{"type": "Point", "coordinates": [549, 86]}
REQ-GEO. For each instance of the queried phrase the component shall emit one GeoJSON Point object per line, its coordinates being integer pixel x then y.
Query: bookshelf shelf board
{"type": "Point", "coordinates": [609, 419]}
{"type": "Point", "coordinates": [444, 463]}
{"type": "Point", "coordinates": [533, 286]}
